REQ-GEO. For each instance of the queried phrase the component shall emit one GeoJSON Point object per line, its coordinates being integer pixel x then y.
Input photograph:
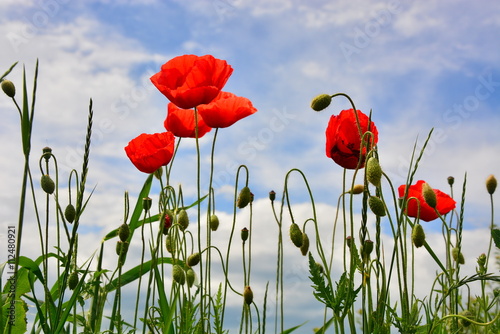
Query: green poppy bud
{"type": "Point", "coordinates": [357, 189]}
{"type": "Point", "coordinates": [8, 88]}
{"type": "Point", "coordinates": [429, 195]}
{"type": "Point", "coordinates": [373, 171]}
{"type": "Point", "coordinates": [73, 280]}
{"type": "Point", "coordinates": [70, 213]}
{"type": "Point", "coordinates": [190, 277]}
{"type": "Point", "coordinates": [183, 219]}
{"type": "Point", "coordinates": [457, 255]}
{"type": "Point", "coordinates": [244, 198]}
{"type": "Point", "coordinates": [418, 235]}
{"type": "Point", "coordinates": [47, 184]}
{"type": "Point", "coordinates": [214, 222]}
{"type": "Point", "coordinates": [178, 274]}
{"type": "Point", "coordinates": [248, 295]}
{"type": "Point", "coordinates": [296, 235]}
{"type": "Point", "coordinates": [366, 249]}
{"type": "Point", "coordinates": [193, 259]}
{"type": "Point", "coordinates": [244, 234]}
{"type": "Point", "coordinates": [304, 248]}
{"type": "Point", "coordinates": [349, 240]}
{"type": "Point", "coordinates": [321, 102]}
{"type": "Point", "coordinates": [124, 232]}
{"type": "Point", "coordinates": [169, 243]}
{"type": "Point", "coordinates": [377, 206]}
{"type": "Point", "coordinates": [491, 184]}
{"type": "Point", "coordinates": [320, 267]}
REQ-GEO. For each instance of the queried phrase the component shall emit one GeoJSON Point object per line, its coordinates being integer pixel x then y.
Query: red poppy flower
{"type": "Point", "coordinates": [181, 122]}
{"type": "Point", "coordinates": [444, 202]}
{"type": "Point", "coordinates": [190, 80]}
{"type": "Point", "coordinates": [225, 110]}
{"type": "Point", "coordinates": [343, 142]}
{"type": "Point", "coordinates": [148, 152]}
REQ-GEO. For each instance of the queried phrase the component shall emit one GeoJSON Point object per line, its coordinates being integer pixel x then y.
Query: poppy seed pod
{"type": "Point", "coordinates": [8, 88]}
{"type": "Point", "coordinates": [124, 232]}
{"type": "Point", "coordinates": [183, 219]}
{"type": "Point", "coordinates": [377, 206]}
{"type": "Point", "coordinates": [304, 249]}
{"type": "Point", "coordinates": [373, 171]}
{"type": "Point", "coordinates": [248, 295]}
{"type": "Point", "coordinates": [147, 202]}
{"type": "Point", "coordinates": [321, 102]}
{"type": "Point", "coordinates": [418, 235]}
{"type": "Point", "coordinates": [47, 184]}
{"type": "Point", "coordinates": [244, 234]}
{"type": "Point", "coordinates": [46, 153]}
{"type": "Point", "coordinates": [357, 189]}
{"type": "Point", "coordinates": [491, 184]}
{"type": "Point", "coordinates": [70, 213]}
{"type": "Point", "coordinates": [178, 274]}
{"type": "Point", "coordinates": [193, 259]}
{"type": "Point", "coordinates": [429, 195]}
{"type": "Point", "coordinates": [214, 222]}
{"type": "Point", "coordinates": [73, 280]}
{"type": "Point", "coordinates": [244, 198]}
{"type": "Point", "coordinates": [296, 235]}
{"type": "Point", "coordinates": [272, 195]}
{"type": "Point", "coordinates": [451, 180]}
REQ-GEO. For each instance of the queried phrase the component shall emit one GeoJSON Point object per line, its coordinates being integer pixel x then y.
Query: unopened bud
{"type": "Point", "coordinates": [244, 234]}
{"type": "Point", "coordinates": [8, 88]}
{"type": "Point", "coordinates": [418, 235]}
{"type": "Point", "coordinates": [121, 247]}
{"type": "Point", "coordinates": [214, 222]}
{"type": "Point", "coordinates": [70, 213]}
{"type": "Point", "coordinates": [429, 195]}
{"type": "Point", "coordinates": [377, 206]}
{"type": "Point", "coordinates": [373, 171]}
{"type": "Point", "coordinates": [124, 232]}
{"type": "Point", "coordinates": [183, 219]}
{"type": "Point", "coordinates": [366, 249]}
{"type": "Point", "coordinates": [321, 102]}
{"type": "Point", "coordinates": [73, 280]}
{"type": "Point", "coordinates": [193, 259]}
{"type": "Point", "coordinates": [47, 184]}
{"type": "Point", "coordinates": [178, 274]}
{"type": "Point", "coordinates": [320, 267]}
{"type": "Point", "coordinates": [169, 243]}
{"type": "Point", "coordinates": [305, 244]}
{"type": "Point", "coordinates": [457, 255]}
{"type": "Point", "coordinates": [491, 184]}
{"type": "Point", "coordinates": [349, 240]}
{"type": "Point", "coordinates": [190, 277]}
{"type": "Point", "coordinates": [272, 195]}
{"type": "Point", "coordinates": [248, 295]}
{"type": "Point", "coordinates": [244, 198]}
{"type": "Point", "coordinates": [158, 173]}
{"type": "Point", "coordinates": [167, 218]}
{"type": "Point", "coordinates": [296, 235]}
{"type": "Point", "coordinates": [357, 189]}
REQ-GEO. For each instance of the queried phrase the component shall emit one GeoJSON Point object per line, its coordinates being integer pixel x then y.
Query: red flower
{"type": "Point", "coordinates": [181, 122]}
{"type": "Point", "coordinates": [225, 110]}
{"type": "Point", "coordinates": [149, 152]}
{"type": "Point", "coordinates": [190, 80]}
{"type": "Point", "coordinates": [343, 142]}
{"type": "Point", "coordinates": [444, 202]}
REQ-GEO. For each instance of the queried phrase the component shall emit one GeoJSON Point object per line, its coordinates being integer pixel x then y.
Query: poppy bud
{"type": "Point", "coordinates": [73, 280]}
{"type": "Point", "coordinates": [418, 235]}
{"type": "Point", "coordinates": [320, 267]}
{"type": "Point", "coordinates": [190, 277]}
{"type": "Point", "coordinates": [244, 198]}
{"type": "Point", "coordinates": [146, 203]}
{"type": "Point", "coordinates": [47, 184]}
{"type": "Point", "coordinates": [46, 153]}
{"type": "Point", "coordinates": [167, 219]}
{"type": "Point", "coordinates": [349, 240]}
{"type": "Point", "coordinates": [124, 232]}
{"type": "Point", "coordinates": [214, 222]}
{"type": "Point", "coordinates": [357, 189]}
{"type": "Point", "coordinates": [248, 295]}
{"type": "Point", "coordinates": [183, 219]}
{"type": "Point", "coordinates": [305, 244]}
{"type": "Point", "coordinates": [468, 314]}
{"type": "Point", "coordinates": [244, 234]}
{"type": "Point", "coordinates": [70, 213]}
{"type": "Point", "coordinates": [457, 255]}
{"type": "Point", "coordinates": [169, 243]}
{"type": "Point", "coordinates": [377, 206]}
{"type": "Point", "coordinates": [178, 274]}
{"type": "Point", "coordinates": [366, 249]}
{"type": "Point", "coordinates": [296, 235]}
{"type": "Point", "coordinates": [321, 102]}
{"type": "Point", "coordinates": [429, 195]}
{"type": "Point", "coordinates": [158, 173]}
{"type": "Point", "coordinates": [9, 88]}
{"type": "Point", "coordinates": [491, 184]}
{"type": "Point", "coordinates": [451, 180]}
{"type": "Point", "coordinates": [272, 195]}
{"type": "Point", "coordinates": [373, 171]}
{"type": "Point", "coordinates": [193, 259]}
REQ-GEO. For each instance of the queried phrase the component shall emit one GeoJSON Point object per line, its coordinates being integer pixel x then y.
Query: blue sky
{"type": "Point", "coordinates": [416, 65]}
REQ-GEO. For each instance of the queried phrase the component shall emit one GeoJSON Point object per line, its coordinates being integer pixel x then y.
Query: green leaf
{"type": "Point", "coordinates": [495, 234]}
{"type": "Point", "coordinates": [8, 71]}
{"type": "Point", "coordinates": [17, 322]}
{"type": "Point", "coordinates": [322, 292]}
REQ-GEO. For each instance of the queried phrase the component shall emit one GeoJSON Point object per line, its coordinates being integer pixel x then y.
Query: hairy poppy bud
{"type": "Point", "coordinates": [244, 234]}
{"type": "Point", "coordinates": [178, 274]}
{"type": "Point", "coordinates": [193, 259]}
{"type": "Point", "coordinates": [429, 195]}
{"type": "Point", "coordinates": [296, 235]}
{"type": "Point", "coordinates": [9, 88]}
{"type": "Point", "coordinates": [70, 213]}
{"type": "Point", "coordinates": [321, 102]}
{"type": "Point", "coordinates": [124, 232]}
{"type": "Point", "coordinates": [305, 244]}
{"type": "Point", "coordinates": [248, 295]}
{"type": "Point", "coordinates": [121, 247]}
{"type": "Point", "coordinates": [73, 280]}
{"type": "Point", "coordinates": [418, 235]}
{"type": "Point", "coordinates": [366, 249]}
{"type": "Point", "coordinates": [146, 203]}
{"type": "Point", "coordinates": [373, 171]}
{"type": "Point", "coordinates": [457, 255]}
{"type": "Point", "coordinates": [320, 267]}
{"type": "Point", "coordinates": [357, 189]}
{"type": "Point", "coordinates": [47, 184]}
{"type": "Point", "coordinates": [377, 206]}
{"type": "Point", "coordinates": [272, 195]}
{"type": "Point", "coordinates": [244, 197]}
{"type": "Point", "coordinates": [451, 180]}
{"type": "Point", "coordinates": [190, 277]}
{"type": "Point", "coordinates": [183, 219]}
{"type": "Point", "coordinates": [491, 184]}
{"type": "Point", "coordinates": [214, 222]}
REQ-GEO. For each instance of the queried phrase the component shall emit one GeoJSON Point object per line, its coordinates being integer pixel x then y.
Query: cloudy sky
{"type": "Point", "coordinates": [416, 65]}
